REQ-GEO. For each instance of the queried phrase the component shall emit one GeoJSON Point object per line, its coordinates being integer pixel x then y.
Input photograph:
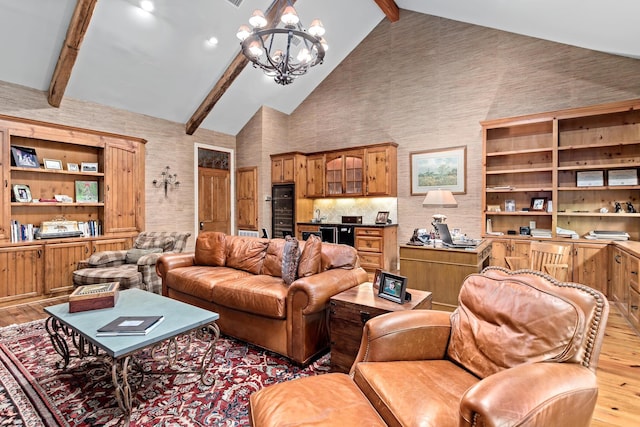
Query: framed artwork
{"type": "Point", "coordinates": [538, 204]}
{"type": "Point", "coordinates": [590, 179]}
{"type": "Point", "coordinates": [24, 157]}
{"type": "Point", "coordinates": [22, 193]}
{"type": "Point", "coordinates": [73, 167]}
{"type": "Point", "coordinates": [509, 205]}
{"type": "Point", "coordinates": [392, 287]}
{"type": "Point", "coordinates": [382, 217]}
{"type": "Point", "coordinates": [376, 278]}
{"type": "Point", "coordinates": [52, 164]}
{"type": "Point", "coordinates": [89, 167]}
{"type": "Point", "coordinates": [439, 169]}
{"type": "Point", "coordinates": [86, 191]}
{"type": "Point", "coordinates": [618, 177]}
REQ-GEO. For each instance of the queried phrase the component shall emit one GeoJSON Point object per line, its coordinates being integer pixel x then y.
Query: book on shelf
{"type": "Point", "coordinates": [130, 325]}
{"type": "Point", "coordinates": [540, 233]}
{"type": "Point", "coordinates": [607, 235]}
{"type": "Point", "coordinates": [92, 297]}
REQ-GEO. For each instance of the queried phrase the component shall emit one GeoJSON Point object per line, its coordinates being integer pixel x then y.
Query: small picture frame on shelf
{"type": "Point", "coordinates": [89, 167]}
{"type": "Point", "coordinates": [493, 208]}
{"type": "Point", "coordinates": [590, 179]}
{"type": "Point", "coordinates": [86, 192]}
{"type": "Point", "coordinates": [73, 167]}
{"type": "Point", "coordinates": [509, 205]}
{"type": "Point", "coordinates": [392, 287]}
{"type": "Point", "coordinates": [620, 177]}
{"type": "Point", "coordinates": [24, 157]}
{"type": "Point", "coordinates": [22, 193]}
{"type": "Point", "coordinates": [538, 204]}
{"type": "Point", "coordinates": [52, 164]}
{"type": "Point", "coordinates": [382, 217]}
{"type": "Point", "coordinates": [376, 279]}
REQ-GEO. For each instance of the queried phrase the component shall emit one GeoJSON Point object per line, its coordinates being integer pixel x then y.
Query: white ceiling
{"type": "Point", "coordinates": [159, 64]}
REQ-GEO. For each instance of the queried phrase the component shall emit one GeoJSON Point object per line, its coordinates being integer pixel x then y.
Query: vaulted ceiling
{"type": "Point", "coordinates": [162, 64]}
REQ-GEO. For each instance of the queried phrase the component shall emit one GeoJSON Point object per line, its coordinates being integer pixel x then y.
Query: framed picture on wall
{"type": "Point", "coordinates": [439, 169]}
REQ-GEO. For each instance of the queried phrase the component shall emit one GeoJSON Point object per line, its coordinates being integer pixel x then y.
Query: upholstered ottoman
{"type": "Point", "coordinates": [323, 400]}
{"type": "Point", "coordinates": [128, 276]}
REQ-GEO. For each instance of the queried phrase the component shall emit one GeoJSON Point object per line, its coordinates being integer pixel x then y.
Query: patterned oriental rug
{"type": "Point", "coordinates": [34, 392]}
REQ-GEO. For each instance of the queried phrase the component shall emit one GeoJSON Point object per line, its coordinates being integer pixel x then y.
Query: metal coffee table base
{"type": "Point", "coordinates": [124, 366]}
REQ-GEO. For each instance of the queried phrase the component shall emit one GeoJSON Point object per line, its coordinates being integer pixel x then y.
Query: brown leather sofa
{"type": "Point", "coordinates": [244, 279]}
{"type": "Point", "coordinates": [521, 349]}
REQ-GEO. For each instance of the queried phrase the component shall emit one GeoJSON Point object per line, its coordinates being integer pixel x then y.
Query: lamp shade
{"type": "Point", "coordinates": [440, 198]}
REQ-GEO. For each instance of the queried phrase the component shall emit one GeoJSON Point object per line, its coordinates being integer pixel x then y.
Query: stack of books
{"type": "Point", "coordinates": [541, 233]}
{"type": "Point", "coordinates": [607, 235]}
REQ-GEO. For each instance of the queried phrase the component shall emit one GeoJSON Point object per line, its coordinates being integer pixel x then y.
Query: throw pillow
{"type": "Point", "coordinates": [166, 243]}
{"type": "Point", "coordinates": [211, 249]}
{"type": "Point", "coordinates": [310, 259]}
{"type": "Point", "coordinates": [290, 259]}
{"type": "Point", "coordinates": [133, 255]}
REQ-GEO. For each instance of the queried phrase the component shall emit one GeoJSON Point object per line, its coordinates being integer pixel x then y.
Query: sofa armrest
{"type": "Point", "coordinates": [544, 393]}
{"type": "Point", "coordinates": [405, 335]}
{"type": "Point", "coordinates": [149, 259]}
{"type": "Point", "coordinates": [167, 261]}
{"type": "Point", "coordinates": [311, 294]}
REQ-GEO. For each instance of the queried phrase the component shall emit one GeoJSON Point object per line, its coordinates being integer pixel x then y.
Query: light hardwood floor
{"type": "Point", "coordinates": [618, 368]}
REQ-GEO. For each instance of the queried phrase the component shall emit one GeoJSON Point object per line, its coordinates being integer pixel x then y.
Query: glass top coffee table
{"type": "Point", "coordinates": [79, 329]}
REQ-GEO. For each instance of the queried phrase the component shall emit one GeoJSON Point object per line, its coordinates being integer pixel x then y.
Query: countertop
{"type": "Point", "coordinates": [338, 224]}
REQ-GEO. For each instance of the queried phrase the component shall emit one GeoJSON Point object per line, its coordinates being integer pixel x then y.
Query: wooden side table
{"type": "Point", "coordinates": [350, 310]}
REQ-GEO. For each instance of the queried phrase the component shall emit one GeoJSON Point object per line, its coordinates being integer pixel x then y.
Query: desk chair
{"type": "Point", "coordinates": [550, 258]}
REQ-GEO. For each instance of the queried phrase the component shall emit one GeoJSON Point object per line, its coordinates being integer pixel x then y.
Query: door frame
{"type": "Point", "coordinates": [232, 182]}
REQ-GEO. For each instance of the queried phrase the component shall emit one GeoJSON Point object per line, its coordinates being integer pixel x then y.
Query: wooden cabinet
{"type": "Point", "coordinates": [503, 248]}
{"type": "Point", "coordinates": [292, 168]}
{"type": "Point", "coordinates": [114, 164]}
{"type": "Point", "coordinates": [381, 166]}
{"type": "Point", "coordinates": [21, 273]}
{"type": "Point", "coordinates": [283, 168]}
{"type": "Point", "coordinates": [350, 310]}
{"type": "Point", "coordinates": [581, 162]}
{"type": "Point", "coordinates": [344, 173]}
{"type": "Point", "coordinates": [590, 265]}
{"type": "Point", "coordinates": [441, 271]}
{"type": "Point", "coordinates": [377, 248]}
{"type": "Point", "coordinates": [115, 244]}
{"type": "Point", "coordinates": [315, 175]}
{"type": "Point", "coordinates": [300, 228]}
{"type": "Point", "coordinates": [620, 273]}
{"type": "Point", "coordinates": [247, 198]}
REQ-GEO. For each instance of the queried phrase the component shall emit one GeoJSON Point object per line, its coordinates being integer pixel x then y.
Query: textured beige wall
{"type": "Point", "coordinates": [427, 82]}
{"type": "Point", "coordinates": [167, 145]}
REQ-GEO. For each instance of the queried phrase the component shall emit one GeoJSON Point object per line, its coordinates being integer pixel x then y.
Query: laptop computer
{"type": "Point", "coordinates": [445, 235]}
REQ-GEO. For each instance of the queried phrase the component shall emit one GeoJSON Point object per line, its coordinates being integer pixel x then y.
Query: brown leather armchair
{"type": "Point", "coordinates": [521, 349]}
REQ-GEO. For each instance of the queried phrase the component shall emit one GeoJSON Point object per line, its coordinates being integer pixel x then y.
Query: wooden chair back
{"type": "Point", "coordinates": [550, 258]}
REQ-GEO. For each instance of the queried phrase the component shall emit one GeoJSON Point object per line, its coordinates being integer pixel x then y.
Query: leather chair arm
{"type": "Point", "coordinates": [311, 294]}
{"type": "Point", "coordinates": [405, 335]}
{"type": "Point", "coordinates": [540, 394]}
{"type": "Point", "coordinates": [167, 261]}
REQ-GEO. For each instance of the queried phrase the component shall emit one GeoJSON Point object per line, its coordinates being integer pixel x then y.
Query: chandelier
{"type": "Point", "coordinates": [286, 52]}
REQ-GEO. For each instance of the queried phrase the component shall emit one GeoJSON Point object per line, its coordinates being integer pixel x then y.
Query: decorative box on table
{"type": "Point", "coordinates": [92, 297]}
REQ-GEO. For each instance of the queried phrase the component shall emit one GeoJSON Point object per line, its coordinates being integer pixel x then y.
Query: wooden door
{"type": "Point", "coordinates": [61, 260]}
{"type": "Point", "coordinates": [214, 199]}
{"type": "Point", "coordinates": [21, 272]}
{"type": "Point", "coordinates": [590, 265]}
{"type": "Point", "coordinates": [124, 181]}
{"type": "Point", "coordinates": [621, 263]}
{"type": "Point", "coordinates": [247, 199]}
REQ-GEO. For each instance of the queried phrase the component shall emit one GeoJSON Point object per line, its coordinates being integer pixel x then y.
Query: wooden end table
{"type": "Point", "coordinates": [350, 310]}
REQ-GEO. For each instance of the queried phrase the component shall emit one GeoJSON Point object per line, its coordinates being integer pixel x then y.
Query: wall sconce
{"type": "Point", "coordinates": [166, 180]}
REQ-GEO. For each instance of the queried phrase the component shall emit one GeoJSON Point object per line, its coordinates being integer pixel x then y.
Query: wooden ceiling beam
{"type": "Point", "coordinates": [70, 48]}
{"type": "Point", "coordinates": [230, 74]}
{"type": "Point", "coordinates": [390, 8]}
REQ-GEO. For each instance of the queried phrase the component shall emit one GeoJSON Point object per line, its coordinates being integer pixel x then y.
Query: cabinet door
{"type": "Point", "coordinates": [590, 265]}
{"type": "Point", "coordinates": [124, 183]}
{"type": "Point", "coordinates": [380, 177]}
{"type": "Point", "coordinates": [276, 170]}
{"type": "Point", "coordinates": [21, 272]}
{"type": "Point", "coordinates": [61, 261]}
{"type": "Point", "coordinates": [619, 271]}
{"type": "Point", "coordinates": [5, 191]}
{"type": "Point", "coordinates": [247, 198]}
{"type": "Point", "coordinates": [119, 244]}
{"type": "Point", "coordinates": [315, 176]}
{"type": "Point", "coordinates": [500, 249]}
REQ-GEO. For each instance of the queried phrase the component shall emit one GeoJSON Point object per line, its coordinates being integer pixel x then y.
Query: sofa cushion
{"type": "Point", "coordinates": [127, 275]}
{"type": "Point", "coordinates": [272, 264]}
{"type": "Point", "coordinates": [246, 253]}
{"type": "Point", "coordinates": [486, 338]}
{"type": "Point", "coordinates": [199, 281]}
{"type": "Point", "coordinates": [260, 294]}
{"type": "Point", "coordinates": [133, 255]}
{"type": "Point", "coordinates": [338, 256]}
{"type": "Point", "coordinates": [310, 258]}
{"type": "Point", "coordinates": [400, 391]}
{"type": "Point", "coordinates": [290, 259]}
{"type": "Point", "coordinates": [211, 249]}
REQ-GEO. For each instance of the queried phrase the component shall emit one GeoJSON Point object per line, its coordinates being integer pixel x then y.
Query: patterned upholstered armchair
{"type": "Point", "coordinates": [133, 268]}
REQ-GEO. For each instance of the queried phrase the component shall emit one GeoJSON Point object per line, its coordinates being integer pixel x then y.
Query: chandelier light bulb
{"type": "Point", "coordinates": [289, 17]}
{"type": "Point", "coordinates": [255, 50]}
{"type": "Point", "coordinates": [277, 56]}
{"type": "Point", "coordinates": [316, 29]}
{"type": "Point", "coordinates": [257, 19]}
{"type": "Point", "coordinates": [243, 32]}
{"type": "Point", "coordinates": [304, 55]}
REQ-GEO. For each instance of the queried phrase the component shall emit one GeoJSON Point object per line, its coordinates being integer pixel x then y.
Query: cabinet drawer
{"type": "Point", "coordinates": [370, 260]}
{"type": "Point", "coordinates": [369, 231]}
{"type": "Point", "coordinates": [369, 244]}
{"type": "Point", "coordinates": [634, 303]}
{"type": "Point", "coordinates": [353, 313]}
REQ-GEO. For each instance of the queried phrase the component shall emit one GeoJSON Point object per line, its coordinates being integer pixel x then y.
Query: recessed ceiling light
{"type": "Point", "coordinates": [212, 41]}
{"type": "Point", "coordinates": [147, 5]}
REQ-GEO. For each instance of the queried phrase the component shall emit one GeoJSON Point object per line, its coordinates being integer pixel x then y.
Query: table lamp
{"type": "Point", "coordinates": [440, 199]}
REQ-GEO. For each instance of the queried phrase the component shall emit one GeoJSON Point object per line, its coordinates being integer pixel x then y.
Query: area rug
{"type": "Point", "coordinates": [34, 392]}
